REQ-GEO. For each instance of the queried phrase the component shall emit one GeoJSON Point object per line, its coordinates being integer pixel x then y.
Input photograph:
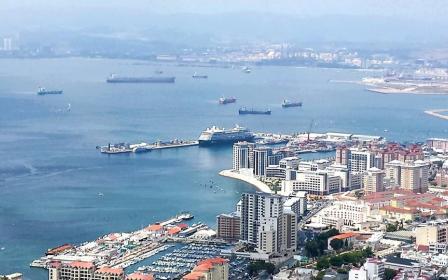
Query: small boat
{"type": "Point", "coordinates": [227, 100]}
{"type": "Point", "coordinates": [198, 76]}
{"type": "Point", "coordinates": [245, 111]}
{"type": "Point", "coordinates": [288, 104]}
{"type": "Point", "coordinates": [246, 70]}
{"type": "Point", "coordinates": [44, 91]}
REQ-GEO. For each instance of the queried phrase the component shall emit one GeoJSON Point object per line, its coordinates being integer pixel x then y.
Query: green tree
{"type": "Point", "coordinates": [391, 227]}
{"type": "Point", "coordinates": [322, 263]}
{"type": "Point", "coordinates": [336, 261]}
{"type": "Point", "coordinates": [320, 275]}
{"type": "Point", "coordinates": [337, 244]}
{"type": "Point", "coordinates": [255, 267]}
{"type": "Point", "coordinates": [389, 274]}
{"type": "Point", "coordinates": [367, 252]}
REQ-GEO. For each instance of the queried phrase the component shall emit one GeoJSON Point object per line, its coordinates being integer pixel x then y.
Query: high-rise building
{"type": "Point", "coordinates": [393, 172]}
{"type": "Point", "coordinates": [361, 160]}
{"type": "Point", "coordinates": [374, 181]}
{"type": "Point", "coordinates": [342, 155]}
{"type": "Point", "coordinates": [228, 227]}
{"type": "Point", "coordinates": [7, 44]}
{"type": "Point", "coordinates": [414, 176]}
{"type": "Point", "coordinates": [261, 160]}
{"type": "Point", "coordinates": [243, 155]}
{"type": "Point", "coordinates": [266, 224]}
{"type": "Point", "coordinates": [275, 158]}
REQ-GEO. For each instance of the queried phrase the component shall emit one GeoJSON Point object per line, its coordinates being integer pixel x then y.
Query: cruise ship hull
{"type": "Point", "coordinates": [224, 141]}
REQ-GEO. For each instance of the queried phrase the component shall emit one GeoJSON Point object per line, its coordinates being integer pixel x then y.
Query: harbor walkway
{"type": "Point", "coordinates": [248, 179]}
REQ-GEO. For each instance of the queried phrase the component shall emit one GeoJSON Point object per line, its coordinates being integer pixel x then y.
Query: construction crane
{"type": "Point", "coordinates": [309, 130]}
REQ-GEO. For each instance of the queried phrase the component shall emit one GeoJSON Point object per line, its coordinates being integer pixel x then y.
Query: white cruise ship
{"type": "Point", "coordinates": [215, 135]}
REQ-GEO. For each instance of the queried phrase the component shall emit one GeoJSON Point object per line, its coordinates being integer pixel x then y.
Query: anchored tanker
{"type": "Point", "coordinates": [156, 79]}
{"type": "Point", "coordinates": [288, 104]}
{"type": "Point", "coordinates": [215, 135]}
{"type": "Point", "coordinates": [43, 91]}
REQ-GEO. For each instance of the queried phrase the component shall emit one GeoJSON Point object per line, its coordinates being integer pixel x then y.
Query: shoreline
{"type": "Point", "coordinates": [436, 113]}
{"type": "Point", "coordinates": [250, 180]}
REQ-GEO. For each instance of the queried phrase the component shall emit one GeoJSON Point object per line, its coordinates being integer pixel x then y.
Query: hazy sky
{"type": "Point", "coordinates": [418, 21]}
{"type": "Point", "coordinates": [401, 8]}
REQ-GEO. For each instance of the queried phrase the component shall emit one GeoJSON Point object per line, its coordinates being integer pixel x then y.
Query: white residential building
{"type": "Point", "coordinates": [313, 182]}
{"type": "Point", "coordinates": [343, 213]}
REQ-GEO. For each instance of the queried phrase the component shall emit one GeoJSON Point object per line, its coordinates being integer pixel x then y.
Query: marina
{"type": "Point", "coordinates": [122, 250]}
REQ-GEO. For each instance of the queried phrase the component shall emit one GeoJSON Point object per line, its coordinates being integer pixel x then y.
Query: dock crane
{"type": "Point", "coordinates": [309, 130]}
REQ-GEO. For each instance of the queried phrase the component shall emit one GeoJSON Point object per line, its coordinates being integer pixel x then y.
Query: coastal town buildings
{"type": "Point", "coordinates": [261, 160]}
{"type": "Point", "coordinates": [228, 227]}
{"type": "Point", "coordinates": [319, 182]}
{"type": "Point", "coordinates": [360, 160]}
{"type": "Point", "coordinates": [374, 181]}
{"type": "Point", "coordinates": [373, 269]}
{"type": "Point", "coordinates": [243, 155]}
{"type": "Point", "coordinates": [414, 176]}
{"type": "Point", "coordinates": [343, 213]}
{"type": "Point", "coordinates": [434, 236]}
{"type": "Point", "coordinates": [82, 270]}
{"type": "Point", "coordinates": [209, 269]}
{"type": "Point", "coordinates": [267, 223]}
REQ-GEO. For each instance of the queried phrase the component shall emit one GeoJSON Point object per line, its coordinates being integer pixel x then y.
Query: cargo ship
{"type": "Point", "coordinates": [43, 91]}
{"type": "Point", "coordinates": [288, 104]}
{"type": "Point", "coordinates": [245, 111]}
{"type": "Point", "coordinates": [215, 135]}
{"type": "Point", "coordinates": [198, 76]}
{"type": "Point", "coordinates": [155, 79]}
{"type": "Point", "coordinates": [227, 100]}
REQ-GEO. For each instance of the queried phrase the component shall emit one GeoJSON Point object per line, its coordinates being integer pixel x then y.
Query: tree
{"type": "Point", "coordinates": [391, 227]}
{"type": "Point", "coordinates": [336, 261]}
{"type": "Point", "coordinates": [367, 252]}
{"type": "Point", "coordinates": [255, 267]}
{"type": "Point", "coordinates": [336, 244]}
{"type": "Point", "coordinates": [312, 249]}
{"type": "Point", "coordinates": [322, 263]}
{"type": "Point", "coordinates": [389, 274]}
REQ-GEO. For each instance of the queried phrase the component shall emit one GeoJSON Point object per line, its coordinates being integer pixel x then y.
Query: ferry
{"type": "Point", "coordinates": [215, 135]}
{"type": "Point", "coordinates": [198, 76]}
{"type": "Point", "coordinates": [288, 104]}
{"type": "Point", "coordinates": [227, 100]}
{"type": "Point", "coordinates": [245, 111]}
{"type": "Point", "coordinates": [153, 79]}
{"type": "Point", "coordinates": [43, 91]}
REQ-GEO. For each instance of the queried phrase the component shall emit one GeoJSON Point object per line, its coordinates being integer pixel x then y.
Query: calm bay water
{"type": "Point", "coordinates": [51, 174]}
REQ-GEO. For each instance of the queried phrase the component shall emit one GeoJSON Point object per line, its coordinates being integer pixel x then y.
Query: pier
{"type": "Point", "coordinates": [437, 113]}
{"type": "Point", "coordinates": [124, 148]}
